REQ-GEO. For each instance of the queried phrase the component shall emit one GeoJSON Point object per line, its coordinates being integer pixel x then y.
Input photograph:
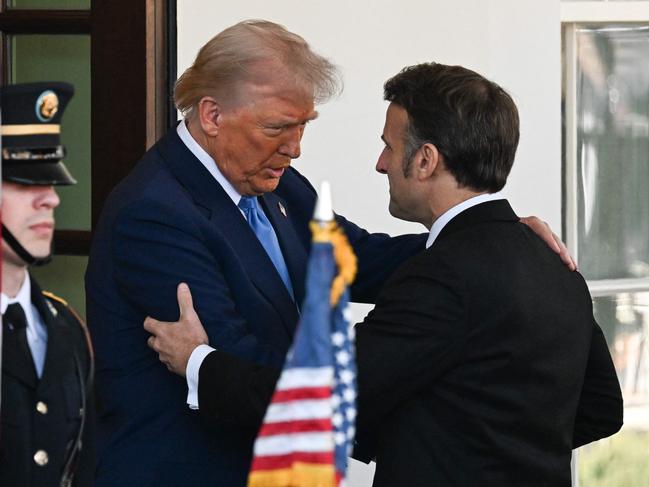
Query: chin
{"type": "Point", "coordinates": [394, 210]}
{"type": "Point", "coordinates": [40, 251]}
{"type": "Point", "coordinates": [398, 213]}
{"type": "Point", "coordinates": [267, 186]}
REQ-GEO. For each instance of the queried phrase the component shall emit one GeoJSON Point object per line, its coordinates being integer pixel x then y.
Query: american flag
{"type": "Point", "coordinates": [308, 429]}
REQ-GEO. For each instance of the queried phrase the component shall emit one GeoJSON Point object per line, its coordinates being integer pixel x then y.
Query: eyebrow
{"type": "Point", "coordinates": [284, 122]}
{"type": "Point", "coordinates": [312, 116]}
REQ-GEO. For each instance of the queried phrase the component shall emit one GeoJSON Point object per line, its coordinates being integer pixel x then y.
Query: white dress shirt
{"type": "Point", "coordinates": [452, 212]}
{"type": "Point", "coordinates": [36, 330]}
{"type": "Point", "coordinates": [207, 161]}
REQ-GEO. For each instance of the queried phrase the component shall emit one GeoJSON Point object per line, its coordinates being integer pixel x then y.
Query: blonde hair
{"type": "Point", "coordinates": [230, 57]}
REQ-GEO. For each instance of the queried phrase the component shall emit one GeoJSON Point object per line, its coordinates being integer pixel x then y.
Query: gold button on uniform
{"type": "Point", "coordinates": [41, 407]}
{"type": "Point", "coordinates": [41, 458]}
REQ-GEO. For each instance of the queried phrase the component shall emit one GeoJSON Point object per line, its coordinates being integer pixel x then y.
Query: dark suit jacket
{"type": "Point", "coordinates": [63, 389]}
{"type": "Point", "coordinates": [169, 221]}
{"type": "Point", "coordinates": [480, 365]}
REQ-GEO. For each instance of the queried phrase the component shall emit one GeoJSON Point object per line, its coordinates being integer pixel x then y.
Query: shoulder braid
{"type": "Point", "coordinates": [84, 329]}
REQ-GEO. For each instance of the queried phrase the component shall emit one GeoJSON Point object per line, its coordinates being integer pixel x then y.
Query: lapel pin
{"type": "Point", "coordinates": [52, 308]}
{"type": "Point", "coordinates": [282, 209]}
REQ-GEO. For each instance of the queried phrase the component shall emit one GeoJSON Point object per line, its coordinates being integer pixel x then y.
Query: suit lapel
{"type": "Point", "coordinates": [194, 177]}
{"type": "Point", "coordinates": [224, 215]}
{"type": "Point", "coordinates": [497, 210]}
{"type": "Point", "coordinates": [294, 252]}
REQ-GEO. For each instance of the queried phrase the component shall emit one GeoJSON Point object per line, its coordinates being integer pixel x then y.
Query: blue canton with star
{"type": "Point", "coordinates": [344, 392]}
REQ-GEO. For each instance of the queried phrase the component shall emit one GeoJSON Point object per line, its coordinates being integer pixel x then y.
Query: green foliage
{"type": "Point", "coordinates": [620, 461]}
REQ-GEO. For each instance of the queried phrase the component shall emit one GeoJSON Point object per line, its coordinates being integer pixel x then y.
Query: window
{"type": "Point", "coordinates": [606, 208]}
{"type": "Point", "coordinates": [121, 105]}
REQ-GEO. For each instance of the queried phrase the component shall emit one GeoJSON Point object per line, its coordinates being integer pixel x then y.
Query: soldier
{"type": "Point", "coordinates": [47, 363]}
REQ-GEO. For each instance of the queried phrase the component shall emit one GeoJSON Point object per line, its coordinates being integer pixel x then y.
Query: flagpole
{"type": "Point", "coordinates": [324, 213]}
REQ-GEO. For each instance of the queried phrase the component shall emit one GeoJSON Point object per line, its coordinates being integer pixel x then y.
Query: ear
{"type": "Point", "coordinates": [209, 112]}
{"type": "Point", "coordinates": [427, 161]}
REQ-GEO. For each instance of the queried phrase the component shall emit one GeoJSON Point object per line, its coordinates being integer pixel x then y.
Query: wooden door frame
{"type": "Point", "coordinates": [133, 68]}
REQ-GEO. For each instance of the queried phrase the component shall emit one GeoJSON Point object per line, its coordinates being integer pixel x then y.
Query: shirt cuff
{"type": "Point", "coordinates": [193, 367]}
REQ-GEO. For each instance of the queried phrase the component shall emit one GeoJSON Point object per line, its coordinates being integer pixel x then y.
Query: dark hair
{"type": "Point", "coordinates": [472, 121]}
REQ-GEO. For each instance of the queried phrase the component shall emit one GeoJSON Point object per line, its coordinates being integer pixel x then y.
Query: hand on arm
{"type": "Point", "coordinates": [229, 389]}
{"type": "Point", "coordinates": [543, 230]}
{"type": "Point", "coordinates": [154, 248]}
{"type": "Point", "coordinates": [174, 342]}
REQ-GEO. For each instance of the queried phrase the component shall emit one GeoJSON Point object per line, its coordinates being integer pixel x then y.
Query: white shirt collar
{"type": "Point", "coordinates": [207, 161]}
{"type": "Point", "coordinates": [24, 297]}
{"type": "Point", "coordinates": [452, 212]}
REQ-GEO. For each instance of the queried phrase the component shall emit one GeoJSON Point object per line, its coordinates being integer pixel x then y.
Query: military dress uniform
{"type": "Point", "coordinates": [45, 420]}
{"type": "Point", "coordinates": [47, 407]}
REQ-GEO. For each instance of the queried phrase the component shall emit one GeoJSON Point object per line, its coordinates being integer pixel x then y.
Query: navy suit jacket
{"type": "Point", "coordinates": [168, 222]}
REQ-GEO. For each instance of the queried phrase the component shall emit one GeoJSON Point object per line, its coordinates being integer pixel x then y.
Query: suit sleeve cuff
{"type": "Point", "coordinates": [193, 367]}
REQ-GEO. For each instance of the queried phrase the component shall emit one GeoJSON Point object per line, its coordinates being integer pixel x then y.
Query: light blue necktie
{"type": "Point", "coordinates": [266, 234]}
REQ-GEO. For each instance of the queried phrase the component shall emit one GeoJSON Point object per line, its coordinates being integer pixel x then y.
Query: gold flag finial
{"type": "Point", "coordinates": [325, 229]}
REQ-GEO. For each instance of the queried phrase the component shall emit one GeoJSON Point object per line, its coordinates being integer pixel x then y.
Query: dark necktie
{"type": "Point", "coordinates": [14, 325]}
{"type": "Point", "coordinates": [262, 227]}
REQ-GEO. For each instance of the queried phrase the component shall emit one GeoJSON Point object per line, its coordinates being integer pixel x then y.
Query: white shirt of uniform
{"type": "Point", "coordinates": [36, 330]}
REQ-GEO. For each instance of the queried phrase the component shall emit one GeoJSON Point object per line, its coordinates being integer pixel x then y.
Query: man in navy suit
{"type": "Point", "coordinates": [215, 204]}
{"type": "Point", "coordinates": [179, 217]}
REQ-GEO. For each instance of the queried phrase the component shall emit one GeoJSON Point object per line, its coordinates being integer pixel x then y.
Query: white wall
{"type": "Point", "coordinates": [513, 42]}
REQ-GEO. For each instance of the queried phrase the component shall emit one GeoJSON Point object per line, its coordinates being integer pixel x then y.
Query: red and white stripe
{"type": "Point", "coordinates": [297, 426]}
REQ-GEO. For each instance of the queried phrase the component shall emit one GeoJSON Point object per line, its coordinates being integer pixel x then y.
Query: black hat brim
{"type": "Point", "coordinates": [38, 173]}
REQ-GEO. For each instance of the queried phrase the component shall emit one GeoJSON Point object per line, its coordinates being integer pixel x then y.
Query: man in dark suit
{"type": "Point", "coordinates": [47, 408]}
{"type": "Point", "coordinates": [481, 363]}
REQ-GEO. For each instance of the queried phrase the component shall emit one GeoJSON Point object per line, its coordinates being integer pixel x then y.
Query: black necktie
{"type": "Point", "coordinates": [14, 325]}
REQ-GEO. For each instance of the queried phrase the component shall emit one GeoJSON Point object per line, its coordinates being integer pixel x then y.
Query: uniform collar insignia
{"type": "Point", "coordinates": [52, 309]}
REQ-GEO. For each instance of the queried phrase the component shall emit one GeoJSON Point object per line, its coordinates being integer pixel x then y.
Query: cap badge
{"type": "Point", "coordinates": [47, 105]}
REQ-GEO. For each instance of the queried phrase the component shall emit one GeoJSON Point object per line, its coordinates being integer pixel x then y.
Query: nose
{"type": "Point", "coordinates": [47, 198]}
{"type": "Point", "coordinates": [381, 166]}
{"type": "Point", "coordinates": [291, 146]}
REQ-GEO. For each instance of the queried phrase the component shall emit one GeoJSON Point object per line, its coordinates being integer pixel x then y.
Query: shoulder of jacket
{"type": "Point", "coordinates": [58, 304]}
{"type": "Point", "coordinates": [301, 178]}
{"type": "Point", "coordinates": [54, 297]}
